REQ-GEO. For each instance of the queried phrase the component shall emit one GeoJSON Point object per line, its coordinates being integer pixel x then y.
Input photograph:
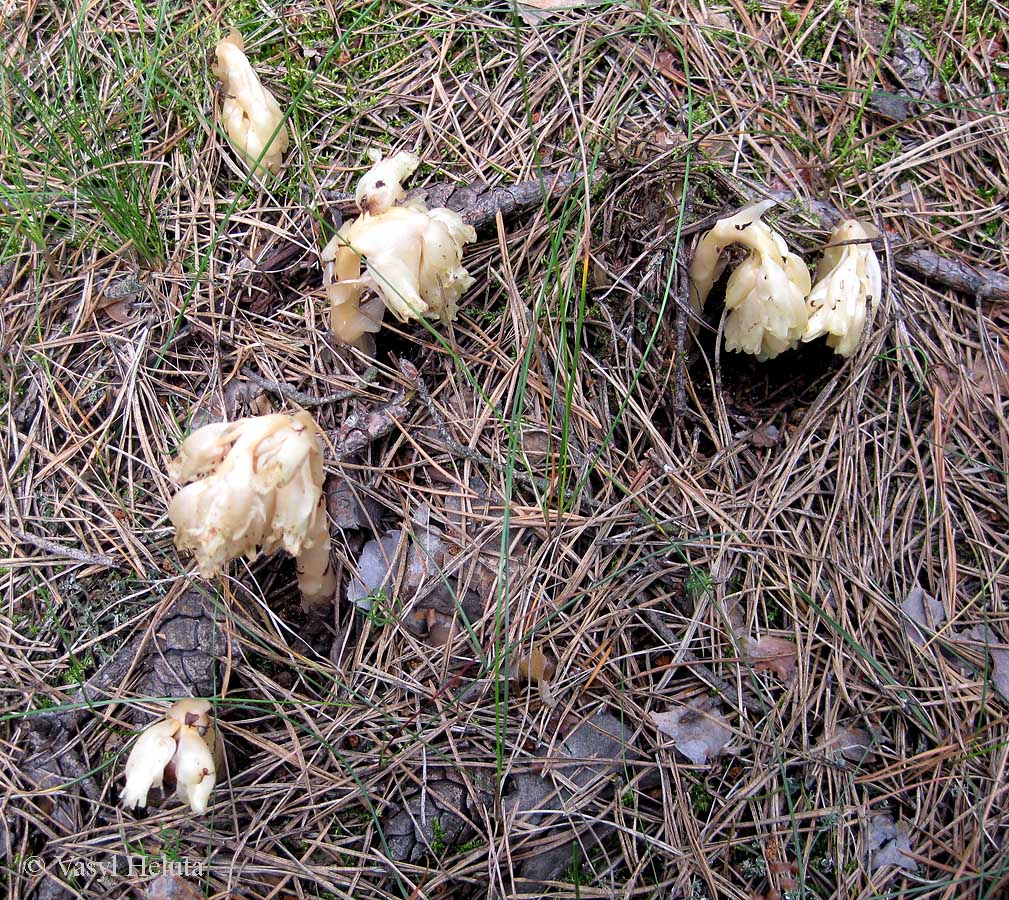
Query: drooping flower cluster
{"type": "Point", "coordinates": [770, 300]}
{"type": "Point", "coordinates": [184, 749]}
{"type": "Point", "coordinates": [765, 294]}
{"type": "Point", "coordinates": [412, 257]}
{"type": "Point", "coordinates": [255, 486]}
{"type": "Point", "coordinates": [848, 278]}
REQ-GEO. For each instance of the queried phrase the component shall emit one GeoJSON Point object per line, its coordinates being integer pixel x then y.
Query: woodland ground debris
{"type": "Point", "coordinates": [576, 441]}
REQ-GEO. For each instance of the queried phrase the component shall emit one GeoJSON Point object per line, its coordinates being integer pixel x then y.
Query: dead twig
{"type": "Point", "coordinates": [479, 204]}
{"type": "Point", "coordinates": [54, 547]}
{"type": "Point", "coordinates": [304, 400]}
{"type": "Point", "coordinates": [974, 281]}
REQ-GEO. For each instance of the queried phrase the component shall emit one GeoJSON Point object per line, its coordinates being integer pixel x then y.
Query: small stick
{"type": "Point", "coordinates": [42, 543]}
{"type": "Point", "coordinates": [479, 204]}
{"type": "Point", "coordinates": [306, 400]}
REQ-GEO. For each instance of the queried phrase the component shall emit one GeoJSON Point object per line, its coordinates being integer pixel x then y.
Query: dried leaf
{"type": "Point", "coordinates": [771, 654]}
{"type": "Point", "coordinates": [956, 388]}
{"type": "Point", "coordinates": [170, 887]}
{"type": "Point", "coordinates": [699, 732]}
{"type": "Point", "coordinates": [1000, 675]}
{"type": "Point", "coordinates": [117, 297]}
{"type": "Point", "coordinates": [664, 137]}
{"type": "Point", "coordinates": [945, 382]}
{"type": "Point", "coordinates": [989, 380]}
{"type": "Point", "coordinates": [119, 311]}
{"type": "Point", "coordinates": [999, 651]}
{"type": "Point", "coordinates": [669, 64]}
{"type": "Point", "coordinates": [537, 446]}
{"type": "Point", "coordinates": [441, 628]}
{"type": "Point", "coordinates": [765, 436]}
{"type": "Point", "coordinates": [852, 742]}
{"type": "Point", "coordinates": [925, 613]}
{"type": "Point", "coordinates": [427, 552]}
{"type": "Point", "coordinates": [889, 844]}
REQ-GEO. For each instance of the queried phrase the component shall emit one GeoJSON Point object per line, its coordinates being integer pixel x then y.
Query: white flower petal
{"type": "Point", "coordinates": [195, 769]}
{"type": "Point", "coordinates": [145, 767]}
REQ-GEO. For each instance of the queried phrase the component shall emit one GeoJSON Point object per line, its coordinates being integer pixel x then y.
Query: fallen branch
{"type": "Point", "coordinates": [64, 551]}
{"type": "Point", "coordinates": [479, 204]}
{"type": "Point", "coordinates": [306, 401]}
{"type": "Point", "coordinates": [974, 281]}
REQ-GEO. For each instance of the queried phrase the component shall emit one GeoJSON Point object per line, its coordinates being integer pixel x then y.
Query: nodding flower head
{"type": "Point", "coordinates": [407, 257]}
{"type": "Point", "coordinates": [847, 289]}
{"type": "Point", "coordinates": [249, 112]}
{"type": "Point", "coordinates": [255, 486]}
{"type": "Point", "coordinates": [765, 294]}
{"type": "Point", "coordinates": [184, 749]}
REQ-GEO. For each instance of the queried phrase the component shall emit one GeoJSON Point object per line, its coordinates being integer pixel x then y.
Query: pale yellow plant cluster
{"type": "Point", "coordinates": [255, 486]}
{"type": "Point", "coordinates": [412, 257]}
{"type": "Point", "coordinates": [251, 486]}
{"type": "Point", "coordinates": [770, 300]}
{"type": "Point", "coordinates": [250, 113]}
{"type": "Point", "coordinates": [185, 748]}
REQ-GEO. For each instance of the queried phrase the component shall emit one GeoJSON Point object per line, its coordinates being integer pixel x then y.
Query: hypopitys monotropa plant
{"type": "Point", "coordinates": [184, 750]}
{"type": "Point", "coordinates": [412, 257]}
{"type": "Point", "coordinates": [249, 112]}
{"type": "Point", "coordinates": [255, 486]}
{"type": "Point", "coordinates": [847, 289]}
{"type": "Point", "coordinates": [766, 293]}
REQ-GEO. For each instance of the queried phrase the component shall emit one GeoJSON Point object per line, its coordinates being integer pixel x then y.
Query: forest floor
{"type": "Point", "coordinates": [795, 568]}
